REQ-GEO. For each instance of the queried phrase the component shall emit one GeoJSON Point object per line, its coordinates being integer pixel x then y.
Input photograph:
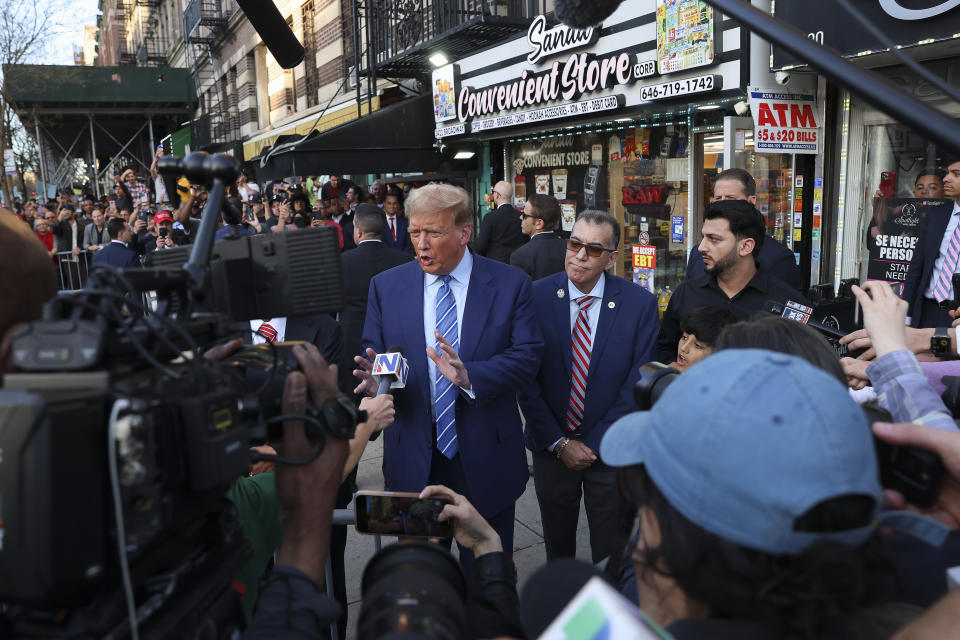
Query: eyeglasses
{"type": "Point", "coordinates": [592, 250]}
{"type": "Point", "coordinates": [526, 215]}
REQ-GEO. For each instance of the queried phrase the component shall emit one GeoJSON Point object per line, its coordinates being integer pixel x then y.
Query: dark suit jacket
{"type": "Point", "coordinates": [359, 267]}
{"type": "Point", "coordinates": [544, 255]}
{"type": "Point", "coordinates": [925, 254]}
{"type": "Point", "coordinates": [626, 339]}
{"type": "Point", "coordinates": [500, 234]}
{"type": "Point", "coordinates": [346, 224]}
{"type": "Point", "coordinates": [774, 258]}
{"type": "Point", "coordinates": [501, 345]}
{"type": "Point", "coordinates": [403, 238]}
{"type": "Point", "coordinates": [116, 254]}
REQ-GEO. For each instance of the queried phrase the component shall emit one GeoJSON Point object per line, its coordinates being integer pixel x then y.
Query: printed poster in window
{"type": "Point", "coordinates": [893, 235]}
{"type": "Point", "coordinates": [568, 214]}
{"type": "Point", "coordinates": [684, 35]}
{"type": "Point", "coordinates": [444, 93]}
{"type": "Point", "coordinates": [644, 265]}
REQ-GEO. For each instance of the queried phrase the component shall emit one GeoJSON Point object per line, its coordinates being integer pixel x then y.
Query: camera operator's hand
{"type": "Point", "coordinates": [221, 351]}
{"type": "Point", "coordinates": [306, 493]}
{"type": "Point", "coordinates": [264, 465]}
{"type": "Point", "coordinates": [380, 411]}
{"type": "Point", "coordinates": [856, 372]}
{"type": "Point", "coordinates": [367, 386]}
{"type": "Point", "coordinates": [577, 456]}
{"type": "Point", "coordinates": [469, 527]}
{"type": "Point", "coordinates": [321, 376]}
{"type": "Point", "coordinates": [884, 316]}
{"type": "Point", "coordinates": [944, 443]}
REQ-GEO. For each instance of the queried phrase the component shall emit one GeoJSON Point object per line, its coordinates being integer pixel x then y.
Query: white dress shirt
{"type": "Point", "coordinates": [460, 281]}
{"type": "Point", "coordinates": [944, 245]}
{"type": "Point", "coordinates": [280, 324]}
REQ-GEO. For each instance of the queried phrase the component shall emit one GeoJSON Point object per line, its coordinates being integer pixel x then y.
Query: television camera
{"type": "Point", "coordinates": [118, 438]}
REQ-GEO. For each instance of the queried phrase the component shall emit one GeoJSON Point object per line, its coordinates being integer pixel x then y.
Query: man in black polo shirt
{"type": "Point", "coordinates": [732, 237]}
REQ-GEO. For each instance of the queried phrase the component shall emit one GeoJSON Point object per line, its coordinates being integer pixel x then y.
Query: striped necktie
{"type": "Point", "coordinates": [445, 395]}
{"type": "Point", "coordinates": [944, 287]}
{"type": "Point", "coordinates": [268, 332]}
{"type": "Point", "coordinates": [581, 364]}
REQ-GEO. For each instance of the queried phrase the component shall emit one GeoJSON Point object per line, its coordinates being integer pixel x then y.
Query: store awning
{"type": "Point", "coordinates": [395, 139]}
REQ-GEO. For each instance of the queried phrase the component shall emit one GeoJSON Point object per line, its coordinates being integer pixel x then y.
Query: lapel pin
{"type": "Point", "coordinates": [611, 304]}
{"type": "Point", "coordinates": [560, 293]}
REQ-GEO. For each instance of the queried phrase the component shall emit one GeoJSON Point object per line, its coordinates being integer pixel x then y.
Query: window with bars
{"type": "Point", "coordinates": [311, 74]}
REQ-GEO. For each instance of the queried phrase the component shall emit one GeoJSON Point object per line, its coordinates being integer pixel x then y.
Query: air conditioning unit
{"type": "Point", "coordinates": [352, 78]}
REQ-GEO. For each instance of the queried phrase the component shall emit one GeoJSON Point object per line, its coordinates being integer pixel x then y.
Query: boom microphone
{"type": "Point", "coordinates": [274, 31]}
{"type": "Point", "coordinates": [390, 370]}
{"type": "Point", "coordinates": [584, 13]}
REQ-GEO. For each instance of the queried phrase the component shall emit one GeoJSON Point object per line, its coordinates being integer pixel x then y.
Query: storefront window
{"type": "Point", "coordinates": [893, 177]}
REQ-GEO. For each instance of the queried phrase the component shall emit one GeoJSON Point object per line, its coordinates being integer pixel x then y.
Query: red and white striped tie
{"type": "Point", "coordinates": [268, 332]}
{"type": "Point", "coordinates": [581, 364]}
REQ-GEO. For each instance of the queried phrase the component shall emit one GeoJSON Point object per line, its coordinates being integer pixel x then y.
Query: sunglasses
{"type": "Point", "coordinates": [528, 215]}
{"type": "Point", "coordinates": [592, 250]}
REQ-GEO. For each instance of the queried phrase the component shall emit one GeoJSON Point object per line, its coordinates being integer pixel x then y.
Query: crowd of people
{"type": "Point", "coordinates": [746, 503]}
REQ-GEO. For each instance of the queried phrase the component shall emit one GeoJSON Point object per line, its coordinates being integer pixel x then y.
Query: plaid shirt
{"type": "Point", "coordinates": [903, 390]}
{"type": "Point", "coordinates": [137, 190]}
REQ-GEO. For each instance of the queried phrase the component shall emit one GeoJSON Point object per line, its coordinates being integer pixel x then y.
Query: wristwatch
{"type": "Point", "coordinates": [940, 342]}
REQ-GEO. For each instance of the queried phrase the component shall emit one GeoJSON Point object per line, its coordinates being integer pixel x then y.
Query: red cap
{"type": "Point", "coordinates": [163, 216]}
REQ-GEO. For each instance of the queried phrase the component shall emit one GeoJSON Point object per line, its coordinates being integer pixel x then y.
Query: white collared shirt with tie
{"type": "Point", "coordinates": [280, 324]}
{"type": "Point", "coordinates": [459, 283]}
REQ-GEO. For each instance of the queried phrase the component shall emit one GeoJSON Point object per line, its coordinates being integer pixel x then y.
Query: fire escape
{"type": "Point", "coordinates": [151, 51]}
{"type": "Point", "coordinates": [218, 123]}
{"type": "Point", "coordinates": [125, 57]}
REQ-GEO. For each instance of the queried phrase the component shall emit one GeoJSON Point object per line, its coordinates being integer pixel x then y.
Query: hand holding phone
{"type": "Point", "coordinates": [389, 513]}
{"type": "Point", "coordinates": [470, 529]}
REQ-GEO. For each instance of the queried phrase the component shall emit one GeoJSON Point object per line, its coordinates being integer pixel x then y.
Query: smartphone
{"type": "Point", "coordinates": [888, 183]}
{"type": "Point", "coordinates": [142, 215]}
{"type": "Point", "coordinates": [145, 198]}
{"type": "Point", "coordinates": [317, 215]}
{"type": "Point", "coordinates": [163, 232]}
{"type": "Point", "coordinates": [388, 513]}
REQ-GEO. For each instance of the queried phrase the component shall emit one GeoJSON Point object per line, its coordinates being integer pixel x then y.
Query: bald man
{"type": "Point", "coordinates": [500, 232]}
{"type": "Point", "coordinates": [23, 260]}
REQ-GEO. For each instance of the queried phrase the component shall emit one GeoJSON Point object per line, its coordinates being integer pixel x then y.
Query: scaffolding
{"type": "Point", "coordinates": [103, 118]}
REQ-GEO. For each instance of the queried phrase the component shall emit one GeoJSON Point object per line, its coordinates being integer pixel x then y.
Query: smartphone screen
{"type": "Point", "coordinates": [399, 514]}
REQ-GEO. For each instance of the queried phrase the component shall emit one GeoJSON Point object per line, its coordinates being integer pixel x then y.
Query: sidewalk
{"type": "Point", "coordinates": [528, 551]}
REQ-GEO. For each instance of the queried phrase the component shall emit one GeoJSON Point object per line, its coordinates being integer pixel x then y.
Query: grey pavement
{"type": "Point", "coordinates": [528, 549]}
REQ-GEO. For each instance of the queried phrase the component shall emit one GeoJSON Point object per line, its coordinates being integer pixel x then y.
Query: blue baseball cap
{"type": "Point", "coordinates": [747, 441]}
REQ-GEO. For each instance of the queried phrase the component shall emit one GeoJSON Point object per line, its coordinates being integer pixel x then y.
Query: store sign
{"type": "Point", "coordinates": [785, 121]}
{"type": "Point", "coordinates": [533, 116]}
{"type": "Point", "coordinates": [546, 42]}
{"type": "Point", "coordinates": [905, 22]}
{"type": "Point", "coordinates": [684, 35]}
{"type": "Point", "coordinates": [644, 265]}
{"type": "Point", "coordinates": [892, 237]}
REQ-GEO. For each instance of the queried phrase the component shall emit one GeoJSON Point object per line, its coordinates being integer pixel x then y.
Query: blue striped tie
{"type": "Point", "coordinates": [444, 394]}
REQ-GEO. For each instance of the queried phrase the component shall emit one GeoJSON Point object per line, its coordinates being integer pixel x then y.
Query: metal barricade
{"type": "Point", "coordinates": [73, 269]}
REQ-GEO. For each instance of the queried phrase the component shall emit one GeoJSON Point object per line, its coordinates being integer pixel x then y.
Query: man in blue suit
{"type": "Point", "coordinates": [929, 286]}
{"type": "Point", "coordinates": [117, 253]}
{"type": "Point", "coordinates": [397, 235]}
{"type": "Point", "coordinates": [467, 328]}
{"type": "Point", "coordinates": [599, 329]}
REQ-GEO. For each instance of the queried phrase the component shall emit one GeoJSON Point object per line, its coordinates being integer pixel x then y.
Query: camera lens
{"type": "Point", "coordinates": [655, 377]}
{"type": "Point", "coordinates": [412, 589]}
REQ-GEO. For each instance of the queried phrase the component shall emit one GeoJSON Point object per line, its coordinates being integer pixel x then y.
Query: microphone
{"type": "Point", "coordinates": [571, 593]}
{"type": "Point", "coordinates": [803, 314]}
{"type": "Point", "coordinates": [390, 370]}
{"type": "Point", "coordinates": [584, 13]}
{"type": "Point", "coordinates": [274, 31]}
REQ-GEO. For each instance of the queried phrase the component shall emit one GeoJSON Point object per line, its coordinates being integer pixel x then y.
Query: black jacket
{"type": "Point", "coordinates": [500, 234]}
{"type": "Point", "coordinates": [61, 229]}
{"type": "Point", "coordinates": [544, 255]}
{"type": "Point", "coordinates": [359, 266]}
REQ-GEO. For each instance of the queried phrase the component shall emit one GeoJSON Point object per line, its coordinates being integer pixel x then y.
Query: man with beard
{"type": "Point", "coordinates": [732, 237]}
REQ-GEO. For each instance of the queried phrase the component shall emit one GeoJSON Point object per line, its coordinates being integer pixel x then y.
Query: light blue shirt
{"type": "Point", "coordinates": [593, 315]}
{"type": "Point", "coordinates": [459, 283]}
{"type": "Point", "coordinates": [944, 245]}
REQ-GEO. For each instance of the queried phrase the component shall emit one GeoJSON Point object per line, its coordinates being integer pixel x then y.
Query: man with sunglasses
{"type": "Point", "coordinates": [500, 235]}
{"type": "Point", "coordinates": [546, 252]}
{"type": "Point", "coordinates": [733, 232]}
{"type": "Point", "coordinates": [598, 329]}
